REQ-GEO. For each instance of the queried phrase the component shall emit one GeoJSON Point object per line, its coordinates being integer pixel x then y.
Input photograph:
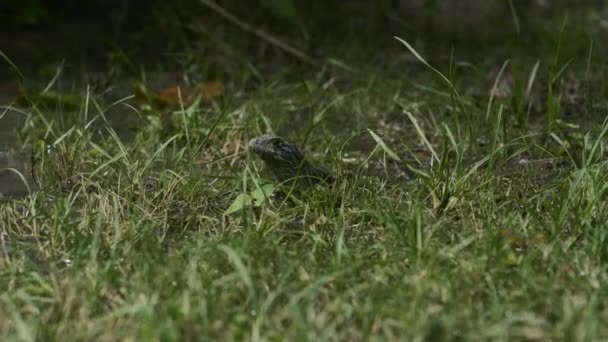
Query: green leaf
{"type": "Point", "coordinates": [240, 202]}
{"type": "Point", "coordinates": [253, 199]}
{"type": "Point", "coordinates": [261, 193]}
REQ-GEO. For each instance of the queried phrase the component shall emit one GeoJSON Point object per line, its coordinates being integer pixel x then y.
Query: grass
{"type": "Point", "coordinates": [453, 217]}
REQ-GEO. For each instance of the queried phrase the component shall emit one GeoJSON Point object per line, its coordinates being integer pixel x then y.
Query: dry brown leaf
{"type": "Point", "coordinates": [176, 95]}
{"type": "Point", "coordinates": [210, 90]}
{"type": "Point", "coordinates": [173, 96]}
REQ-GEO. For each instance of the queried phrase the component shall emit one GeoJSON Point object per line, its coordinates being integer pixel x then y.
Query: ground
{"type": "Point", "coordinates": [131, 210]}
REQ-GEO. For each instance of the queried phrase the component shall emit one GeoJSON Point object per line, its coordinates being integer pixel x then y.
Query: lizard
{"type": "Point", "coordinates": [288, 163]}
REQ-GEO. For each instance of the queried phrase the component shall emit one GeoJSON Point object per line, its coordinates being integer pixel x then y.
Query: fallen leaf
{"type": "Point", "coordinates": [177, 95]}
{"type": "Point", "coordinates": [173, 96]}
{"type": "Point", "coordinates": [210, 90]}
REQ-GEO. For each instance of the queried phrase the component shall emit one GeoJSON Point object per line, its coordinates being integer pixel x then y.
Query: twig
{"type": "Point", "coordinates": [259, 33]}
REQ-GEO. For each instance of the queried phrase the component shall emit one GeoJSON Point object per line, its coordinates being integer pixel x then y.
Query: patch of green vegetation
{"type": "Point", "coordinates": [453, 216]}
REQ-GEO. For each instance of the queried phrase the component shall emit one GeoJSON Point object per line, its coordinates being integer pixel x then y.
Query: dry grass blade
{"type": "Point", "coordinates": [12, 65]}
{"type": "Point", "coordinates": [421, 134]}
{"type": "Point", "coordinates": [417, 55]}
{"type": "Point", "coordinates": [383, 145]}
{"type": "Point", "coordinates": [20, 175]}
{"type": "Point", "coordinates": [495, 87]}
{"type": "Point", "coordinates": [531, 79]}
{"type": "Point", "coordinates": [453, 89]}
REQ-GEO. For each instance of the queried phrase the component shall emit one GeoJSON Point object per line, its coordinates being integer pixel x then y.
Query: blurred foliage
{"type": "Point", "coordinates": [281, 9]}
{"type": "Point", "coordinates": [23, 12]}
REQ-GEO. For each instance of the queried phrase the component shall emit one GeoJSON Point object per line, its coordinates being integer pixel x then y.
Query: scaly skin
{"type": "Point", "coordinates": [287, 162]}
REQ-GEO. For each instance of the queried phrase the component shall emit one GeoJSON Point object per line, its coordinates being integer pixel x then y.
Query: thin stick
{"type": "Point", "coordinates": [259, 33]}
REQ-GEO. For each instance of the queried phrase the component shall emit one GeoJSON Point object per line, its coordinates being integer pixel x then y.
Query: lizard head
{"type": "Point", "coordinates": [287, 162]}
{"type": "Point", "coordinates": [276, 152]}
